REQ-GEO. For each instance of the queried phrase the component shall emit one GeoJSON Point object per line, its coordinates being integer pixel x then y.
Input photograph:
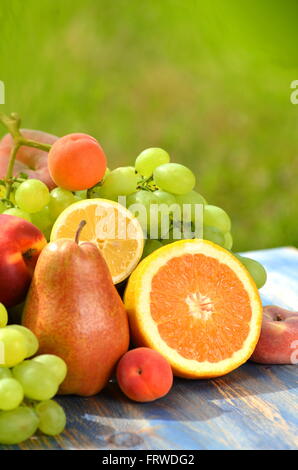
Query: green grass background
{"type": "Point", "coordinates": [207, 80]}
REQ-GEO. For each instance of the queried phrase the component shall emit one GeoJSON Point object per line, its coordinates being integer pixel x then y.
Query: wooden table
{"type": "Point", "coordinates": [254, 407]}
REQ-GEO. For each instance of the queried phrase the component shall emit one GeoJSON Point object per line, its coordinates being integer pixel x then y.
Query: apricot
{"type": "Point", "coordinates": [143, 375]}
{"type": "Point", "coordinates": [278, 343]}
{"type": "Point", "coordinates": [29, 160]}
{"type": "Point", "coordinates": [77, 162]}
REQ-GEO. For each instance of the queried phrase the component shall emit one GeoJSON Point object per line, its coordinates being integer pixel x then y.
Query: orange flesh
{"type": "Point", "coordinates": [111, 235]}
{"type": "Point", "coordinates": [200, 307]}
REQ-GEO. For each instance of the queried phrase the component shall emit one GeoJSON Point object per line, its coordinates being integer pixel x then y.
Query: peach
{"type": "Point", "coordinates": [144, 375]}
{"type": "Point", "coordinates": [278, 343]}
{"type": "Point", "coordinates": [77, 162]}
{"type": "Point", "coordinates": [32, 161]}
{"type": "Point", "coordinates": [20, 245]}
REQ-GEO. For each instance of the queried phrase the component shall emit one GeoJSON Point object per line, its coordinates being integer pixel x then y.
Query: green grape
{"type": "Point", "coordinates": [150, 159]}
{"type": "Point", "coordinates": [42, 219]}
{"type": "Point", "coordinates": [169, 237]}
{"type": "Point", "coordinates": [216, 217]}
{"type": "Point", "coordinates": [102, 193]}
{"type": "Point", "coordinates": [18, 213]}
{"type": "Point", "coordinates": [131, 199]}
{"type": "Point", "coordinates": [193, 197]}
{"type": "Point", "coordinates": [164, 197]}
{"type": "Point", "coordinates": [195, 200]}
{"type": "Point", "coordinates": [2, 207]}
{"type": "Point", "coordinates": [11, 394]}
{"type": "Point", "coordinates": [47, 232]}
{"type": "Point", "coordinates": [5, 373]}
{"type": "Point", "coordinates": [52, 419]}
{"type": "Point", "coordinates": [174, 178]}
{"type": "Point", "coordinates": [179, 230]}
{"type": "Point", "coordinates": [150, 246]}
{"type": "Point", "coordinates": [37, 381]}
{"type": "Point", "coordinates": [143, 200]}
{"type": "Point", "coordinates": [214, 235]}
{"type": "Point", "coordinates": [17, 425]}
{"type": "Point", "coordinates": [107, 172]}
{"type": "Point", "coordinates": [32, 195]}
{"type": "Point", "coordinates": [31, 340]}
{"type": "Point", "coordinates": [81, 194]}
{"type": "Point", "coordinates": [120, 182]}
{"type": "Point", "coordinates": [54, 364]}
{"type": "Point", "coordinates": [228, 241]}
{"type": "Point", "coordinates": [60, 199]}
{"type": "Point", "coordinates": [143, 197]}
{"type": "Point", "coordinates": [255, 269]}
{"type": "Point", "coordinates": [13, 347]}
{"type": "Point", "coordinates": [3, 316]}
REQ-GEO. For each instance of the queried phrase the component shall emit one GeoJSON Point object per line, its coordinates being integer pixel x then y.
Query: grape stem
{"type": "Point", "coordinates": [145, 184]}
{"type": "Point", "coordinates": [12, 123]}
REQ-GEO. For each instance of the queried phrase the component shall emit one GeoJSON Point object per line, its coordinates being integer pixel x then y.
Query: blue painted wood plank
{"type": "Point", "coordinates": [254, 407]}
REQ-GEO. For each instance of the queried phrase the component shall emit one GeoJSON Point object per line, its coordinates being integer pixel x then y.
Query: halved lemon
{"type": "Point", "coordinates": [117, 233]}
{"type": "Point", "coordinates": [196, 304]}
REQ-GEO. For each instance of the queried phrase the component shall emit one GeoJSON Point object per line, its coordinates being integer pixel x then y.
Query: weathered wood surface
{"type": "Point", "coordinates": [254, 407]}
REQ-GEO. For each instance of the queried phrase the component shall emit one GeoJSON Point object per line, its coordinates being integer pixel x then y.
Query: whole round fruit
{"type": "Point", "coordinates": [32, 195]}
{"type": "Point", "coordinates": [120, 182]}
{"type": "Point", "coordinates": [77, 162]}
{"type": "Point", "coordinates": [37, 381]}
{"type": "Point", "coordinates": [29, 160]}
{"type": "Point", "coordinates": [52, 419]}
{"type": "Point", "coordinates": [5, 373]}
{"type": "Point", "coordinates": [31, 340]}
{"type": "Point", "coordinates": [255, 269]}
{"type": "Point", "coordinates": [60, 199]}
{"type": "Point", "coordinates": [174, 178]}
{"type": "Point", "coordinates": [3, 316]}
{"type": "Point", "coordinates": [216, 217]}
{"type": "Point", "coordinates": [13, 346]}
{"type": "Point", "coordinates": [163, 197]}
{"type": "Point", "coordinates": [143, 375]}
{"type": "Point", "coordinates": [196, 202]}
{"type": "Point", "coordinates": [11, 394]}
{"type": "Point", "coordinates": [149, 159]}
{"type": "Point", "coordinates": [228, 241]}
{"type": "Point", "coordinates": [214, 235]}
{"type": "Point", "coordinates": [18, 213]}
{"type": "Point", "coordinates": [54, 364]}
{"type": "Point", "coordinates": [150, 246]}
{"type": "Point", "coordinates": [42, 219]}
{"type": "Point", "coordinates": [17, 425]}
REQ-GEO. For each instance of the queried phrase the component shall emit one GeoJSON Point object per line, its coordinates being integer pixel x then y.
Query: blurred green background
{"type": "Point", "coordinates": [207, 80]}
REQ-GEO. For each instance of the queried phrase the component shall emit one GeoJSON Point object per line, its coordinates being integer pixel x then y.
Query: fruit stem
{"type": "Point", "coordinates": [12, 124]}
{"type": "Point", "coordinates": [9, 173]}
{"type": "Point", "coordinates": [80, 228]}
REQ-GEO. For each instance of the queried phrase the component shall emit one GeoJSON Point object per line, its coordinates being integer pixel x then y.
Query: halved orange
{"type": "Point", "coordinates": [117, 233]}
{"type": "Point", "coordinates": [196, 304]}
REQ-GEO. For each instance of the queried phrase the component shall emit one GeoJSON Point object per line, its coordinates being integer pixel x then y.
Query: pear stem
{"type": "Point", "coordinates": [80, 228]}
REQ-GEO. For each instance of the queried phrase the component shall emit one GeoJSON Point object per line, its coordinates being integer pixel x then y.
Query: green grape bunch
{"type": "Point", "coordinates": [28, 384]}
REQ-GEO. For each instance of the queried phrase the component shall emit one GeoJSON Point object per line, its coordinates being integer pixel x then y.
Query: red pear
{"type": "Point", "coordinates": [76, 312]}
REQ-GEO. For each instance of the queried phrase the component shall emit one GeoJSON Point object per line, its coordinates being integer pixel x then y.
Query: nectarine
{"type": "Point", "coordinates": [77, 162]}
{"type": "Point", "coordinates": [279, 337]}
{"type": "Point", "coordinates": [29, 160]}
{"type": "Point", "coordinates": [20, 245]}
{"type": "Point", "coordinates": [144, 375]}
